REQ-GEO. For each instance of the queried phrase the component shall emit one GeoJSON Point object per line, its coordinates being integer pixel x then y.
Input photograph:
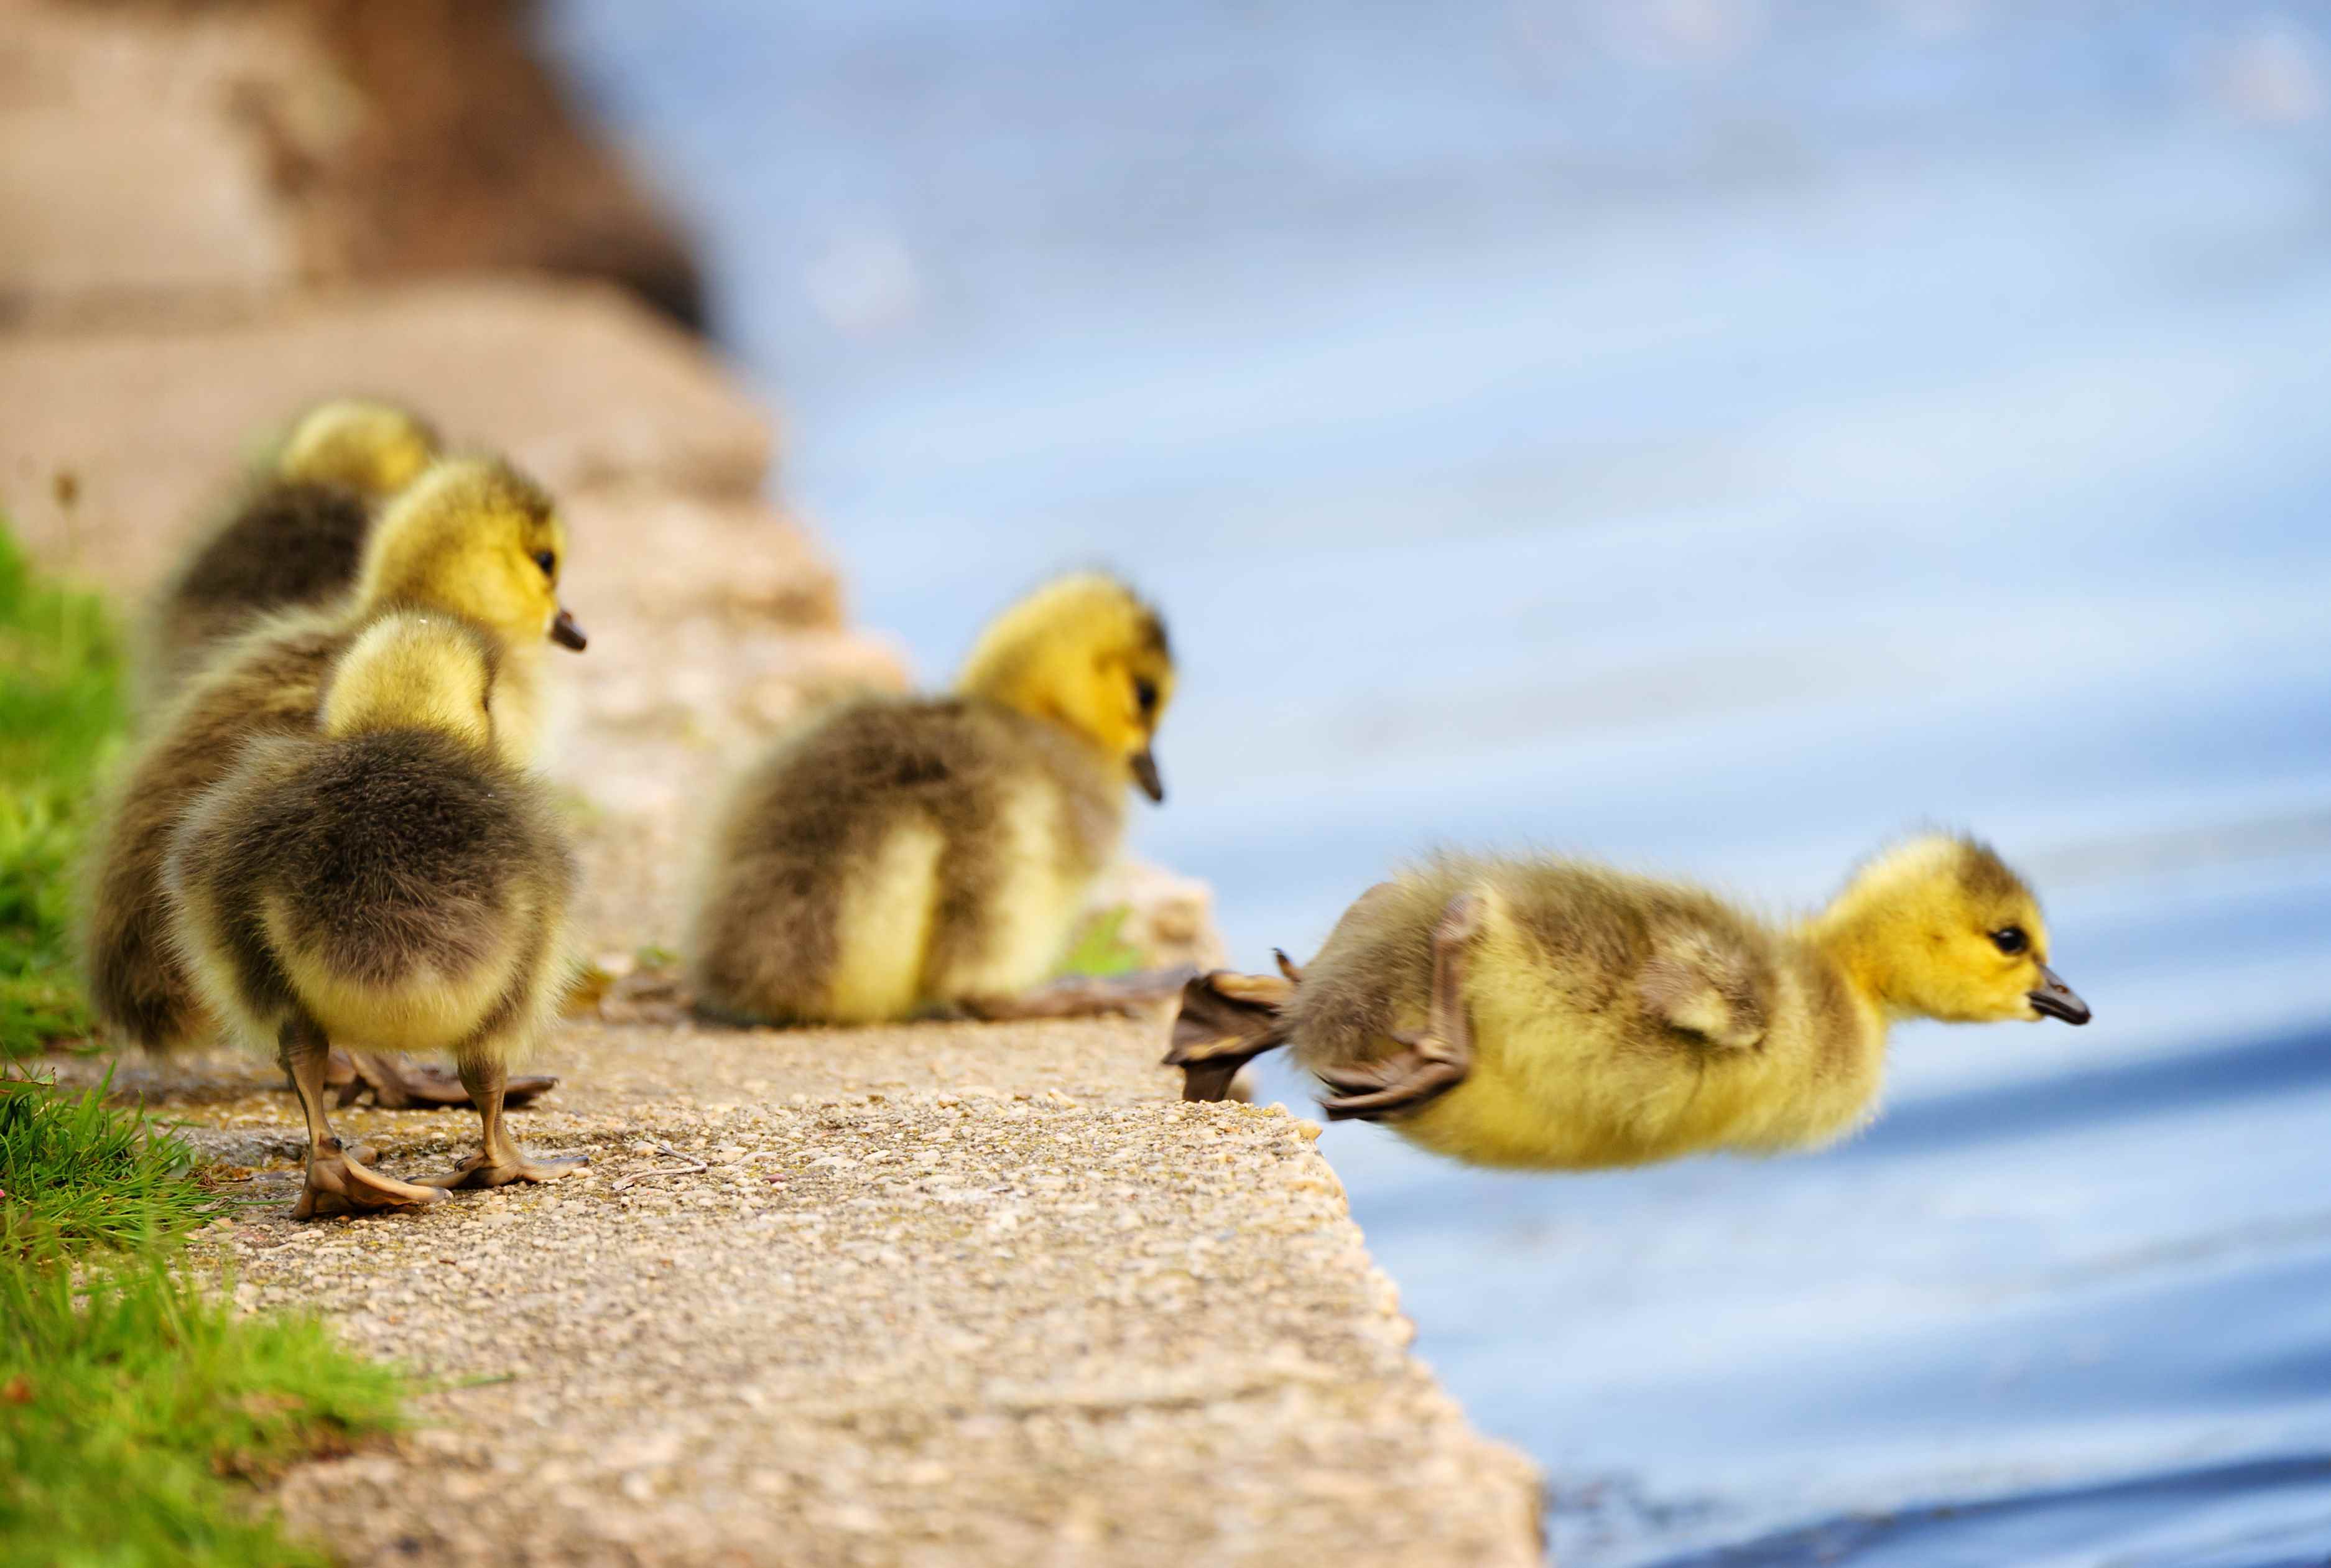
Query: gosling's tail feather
{"type": "Point", "coordinates": [1227, 1020]}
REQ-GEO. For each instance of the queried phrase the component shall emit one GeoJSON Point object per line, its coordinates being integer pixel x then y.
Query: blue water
{"type": "Point", "coordinates": [1711, 435]}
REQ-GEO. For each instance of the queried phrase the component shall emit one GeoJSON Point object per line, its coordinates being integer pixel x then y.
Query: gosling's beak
{"type": "Point", "coordinates": [1145, 774]}
{"type": "Point", "coordinates": [567, 632]}
{"type": "Point", "coordinates": [2058, 1000]}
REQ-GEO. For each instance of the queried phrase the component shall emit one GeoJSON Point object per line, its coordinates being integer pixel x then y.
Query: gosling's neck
{"type": "Point", "coordinates": [1005, 685]}
{"type": "Point", "coordinates": [1851, 941]}
{"type": "Point", "coordinates": [1005, 681]}
{"type": "Point", "coordinates": [518, 705]}
{"type": "Point", "coordinates": [350, 715]}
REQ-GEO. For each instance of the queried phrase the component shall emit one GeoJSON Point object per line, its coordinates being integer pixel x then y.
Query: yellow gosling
{"type": "Point", "coordinates": [904, 855]}
{"type": "Point", "coordinates": [472, 538]}
{"type": "Point", "coordinates": [1550, 1014]}
{"type": "Point", "coordinates": [393, 879]}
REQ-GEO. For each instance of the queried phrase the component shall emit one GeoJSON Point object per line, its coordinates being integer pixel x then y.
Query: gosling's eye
{"type": "Point", "coordinates": [2010, 940]}
{"type": "Point", "coordinates": [1145, 693]}
{"type": "Point", "coordinates": [548, 561]}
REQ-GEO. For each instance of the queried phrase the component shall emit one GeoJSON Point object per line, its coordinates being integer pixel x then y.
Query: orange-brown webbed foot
{"type": "Point", "coordinates": [499, 1162]}
{"type": "Point", "coordinates": [340, 1184]}
{"type": "Point", "coordinates": [399, 1085]}
{"type": "Point", "coordinates": [513, 1164]}
{"type": "Point", "coordinates": [1400, 1083]}
{"type": "Point", "coordinates": [1226, 1020]}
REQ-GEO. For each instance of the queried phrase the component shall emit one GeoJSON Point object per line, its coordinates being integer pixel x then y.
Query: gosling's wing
{"type": "Point", "coordinates": [1704, 985]}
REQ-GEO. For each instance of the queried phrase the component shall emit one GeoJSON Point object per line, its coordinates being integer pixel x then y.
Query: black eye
{"type": "Point", "coordinates": [548, 561]}
{"type": "Point", "coordinates": [1145, 692]}
{"type": "Point", "coordinates": [2010, 940]}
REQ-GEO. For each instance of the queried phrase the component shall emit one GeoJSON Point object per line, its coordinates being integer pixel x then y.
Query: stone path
{"type": "Point", "coordinates": [938, 1294]}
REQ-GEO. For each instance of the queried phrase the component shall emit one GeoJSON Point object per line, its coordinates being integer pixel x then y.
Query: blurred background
{"type": "Point", "coordinates": [1715, 436]}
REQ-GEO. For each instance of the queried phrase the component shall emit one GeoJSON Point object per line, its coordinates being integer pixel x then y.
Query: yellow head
{"type": "Point", "coordinates": [412, 670]}
{"type": "Point", "coordinates": [1941, 927]}
{"type": "Point", "coordinates": [474, 536]}
{"type": "Point", "coordinates": [376, 448]}
{"type": "Point", "coordinates": [1086, 652]}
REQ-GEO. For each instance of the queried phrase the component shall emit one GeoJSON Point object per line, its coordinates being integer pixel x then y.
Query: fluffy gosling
{"type": "Point", "coordinates": [472, 538]}
{"type": "Point", "coordinates": [1547, 1014]}
{"type": "Point", "coordinates": [898, 856]}
{"type": "Point", "coordinates": [396, 880]}
{"type": "Point", "coordinates": [295, 537]}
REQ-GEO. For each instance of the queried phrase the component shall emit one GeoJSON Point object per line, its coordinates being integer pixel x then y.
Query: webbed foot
{"type": "Point", "coordinates": [483, 1169]}
{"type": "Point", "coordinates": [1434, 1061]}
{"type": "Point", "coordinates": [398, 1085]}
{"type": "Point", "coordinates": [338, 1182]}
{"type": "Point", "coordinates": [1423, 1072]}
{"type": "Point", "coordinates": [1226, 1020]}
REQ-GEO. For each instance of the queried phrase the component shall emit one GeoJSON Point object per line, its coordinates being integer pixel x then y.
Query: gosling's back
{"type": "Point", "coordinates": [399, 887]}
{"type": "Point", "coordinates": [901, 852]}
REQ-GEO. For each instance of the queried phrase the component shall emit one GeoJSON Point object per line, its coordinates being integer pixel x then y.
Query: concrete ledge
{"type": "Point", "coordinates": [938, 1294]}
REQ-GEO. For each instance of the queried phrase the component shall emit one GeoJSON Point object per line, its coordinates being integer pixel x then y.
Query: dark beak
{"type": "Point", "coordinates": [1145, 774]}
{"type": "Point", "coordinates": [2058, 1000]}
{"type": "Point", "coordinates": [567, 633]}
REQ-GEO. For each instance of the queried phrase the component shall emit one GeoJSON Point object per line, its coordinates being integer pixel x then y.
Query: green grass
{"type": "Point", "coordinates": [136, 1407]}
{"type": "Point", "coordinates": [1100, 951]}
{"type": "Point", "coordinates": [76, 1171]}
{"type": "Point", "coordinates": [61, 712]}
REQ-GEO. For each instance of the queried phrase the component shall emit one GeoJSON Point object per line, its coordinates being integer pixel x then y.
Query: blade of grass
{"type": "Point", "coordinates": [1100, 951]}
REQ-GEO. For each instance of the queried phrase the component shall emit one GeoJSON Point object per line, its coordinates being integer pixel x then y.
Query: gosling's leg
{"type": "Point", "coordinates": [498, 1161]}
{"type": "Point", "coordinates": [400, 1085]}
{"type": "Point", "coordinates": [1077, 998]}
{"type": "Point", "coordinates": [338, 1182]}
{"type": "Point", "coordinates": [1435, 1062]}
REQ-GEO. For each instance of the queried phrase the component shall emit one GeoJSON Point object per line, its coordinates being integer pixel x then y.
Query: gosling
{"type": "Point", "coordinates": [899, 857]}
{"type": "Point", "coordinates": [472, 539]}
{"type": "Point", "coordinates": [294, 537]}
{"type": "Point", "coordinates": [1552, 1015]}
{"type": "Point", "coordinates": [396, 880]}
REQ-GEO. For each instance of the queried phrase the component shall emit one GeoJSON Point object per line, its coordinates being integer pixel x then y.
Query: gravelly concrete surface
{"type": "Point", "coordinates": [944, 1293]}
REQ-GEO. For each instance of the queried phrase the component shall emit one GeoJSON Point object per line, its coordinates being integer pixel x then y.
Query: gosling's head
{"type": "Point", "coordinates": [1086, 652]}
{"type": "Point", "coordinates": [410, 670]}
{"type": "Point", "coordinates": [376, 448]}
{"type": "Point", "coordinates": [475, 536]}
{"type": "Point", "coordinates": [1940, 926]}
